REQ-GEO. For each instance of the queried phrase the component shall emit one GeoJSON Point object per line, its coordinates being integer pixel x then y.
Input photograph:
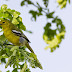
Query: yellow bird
{"type": "Point", "coordinates": [14, 35]}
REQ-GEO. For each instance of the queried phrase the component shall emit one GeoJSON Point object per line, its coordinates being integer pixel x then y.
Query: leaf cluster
{"type": "Point", "coordinates": [15, 55]}
{"type": "Point", "coordinates": [52, 37]}
{"type": "Point", "coordinates": [12, 15]}
{"type": "Point", "coordinates": [12, 55]}
{"type": "Point", "coordinates": [34, 13]}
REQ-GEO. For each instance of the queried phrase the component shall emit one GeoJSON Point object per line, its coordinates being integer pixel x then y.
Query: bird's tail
{"type": "Point", "coordinates": [28, 46]}
{"type": "Point", "coordinates": [34, 56]}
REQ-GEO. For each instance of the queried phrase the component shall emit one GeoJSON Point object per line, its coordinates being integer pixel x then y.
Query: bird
{"type": "Point", "coordinates": [14, 35]}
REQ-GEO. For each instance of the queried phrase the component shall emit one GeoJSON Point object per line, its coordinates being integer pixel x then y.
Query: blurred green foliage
{"type": "Point", "coordinates": [12, 55]}
{"type": "Point", "coordinates": [52, 37]}
{"type": "Point", "coordinates": [35, 14]}
{"type": "Point", "coordinates": [46, 2]}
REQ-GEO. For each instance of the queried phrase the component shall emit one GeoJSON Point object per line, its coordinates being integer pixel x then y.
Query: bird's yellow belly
{"type": "Point", "coordinates": [12, 37]}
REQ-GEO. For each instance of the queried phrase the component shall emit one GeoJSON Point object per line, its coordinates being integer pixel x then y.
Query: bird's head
{"type": "Point", "coordinates": [4, 23]}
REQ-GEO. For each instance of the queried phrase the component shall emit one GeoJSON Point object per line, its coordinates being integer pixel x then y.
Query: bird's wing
{"type": "Point", "coordinates": [19, 33]}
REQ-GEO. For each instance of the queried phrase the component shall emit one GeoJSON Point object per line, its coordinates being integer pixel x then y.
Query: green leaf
{"type": "Point", "coordinates": [22, 3]}
{"type": "Point", "coordinates": [4, 56]}
{"type": "Point", "coordinates": [24, 67]}
{"type": "Point", "coordinates": [29, 31]}
{"type": "Point", "coordinates": [69, 1]}
{"type": "Point", "coordinates": [59, 24]}
{"type": "Point", "coordinates": [29, 2]}
{"type": "Point", "coordinates": [5, 15]}
{"type": "Point", "coordinates": [46, 2]}
{"type": "Point", "coordinates": [9, 10]}
{"type": "Point", "coordinates": [14, 48]}
{"type": "Point", "coordinates": [20, 19]}
{"type": "Point", "coordinates": [40, 9]}
{"type": "Point", "coordinates": [15, 70]}
{"type": "Point", "coordinates": [22, 27]}
{"type": "Point", "coordinates": [15, 15]}
{"type": "Point", "coordinates": [49, 32]}
{"type": "Point", "coordinates": [14, 21]}
{"type": "Point", "coordinates": [21, 66]}
{"type": "Point", "coordinates": [1, 14]}
{"type": "Point", "coordinates": [38, 4]}
{"type": "Point", "coordinates": [8, 71]}
{"type": "Point", "coordinates": [26, 2]}
{"type": "Point", "coordinates": [35, 14]}
{"type": "Point", "coordinates": [4, 7]}
{"type": "Point", "coordinates": [50, 15]}
{"type": "Point", "coordinates": [3, 60]}
{"type": "Point", "coordinates": [2, 38]}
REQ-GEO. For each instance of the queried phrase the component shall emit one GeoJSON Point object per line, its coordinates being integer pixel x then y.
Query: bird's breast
{"type": "Point", "coordinates": [12, 37]}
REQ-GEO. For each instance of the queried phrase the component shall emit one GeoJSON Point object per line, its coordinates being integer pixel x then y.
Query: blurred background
{"type": "Point", "coordinates": [61, 59]}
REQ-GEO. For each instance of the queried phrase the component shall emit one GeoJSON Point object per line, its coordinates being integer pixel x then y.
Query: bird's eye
{"type": "Point", "coordinates": [3, 22]}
